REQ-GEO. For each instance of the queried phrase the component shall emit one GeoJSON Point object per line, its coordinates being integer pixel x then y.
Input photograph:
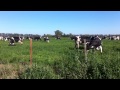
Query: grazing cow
{"type": "Point", "coordinates": [114, 37]}
{"type": "Point", "coordinates": [58, 38]}
{"type": "Point", "coordinates": [37, 38]}
{"type": "Point", "coordinates": [18, 39]}
{"type": "Point", "coordinates": [7, 38]}
{"type": "Point", "coordinates": [117, 37]}
{"type": "Point", "coordinates": [95, 43]}
{"type": "Point", "coordinates": [46, 39]}
{"type": "Point", "coordinates": [12, 41]}
{"type": "Point", "coordinates": [21, 38]}
{"type": "Point", "coordinates": [28, 38]}
{"type": "Point", "coordinates": [1, 37]}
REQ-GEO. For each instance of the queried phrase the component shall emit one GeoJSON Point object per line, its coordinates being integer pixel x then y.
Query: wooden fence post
{"type": "Point", "coordinates": [85, 51]}
{"type": "Point", "coordinates": [31, 52]}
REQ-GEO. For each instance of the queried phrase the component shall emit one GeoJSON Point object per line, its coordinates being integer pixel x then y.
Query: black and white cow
{"type": "Point", "coordinates": [12, 41]}
{"type": "Point", "coordinates": [95, 43]}
{"type": "Point", "coordinates": [46, 39]}
{"type": "Point", "coordinates": [58, 38]}
{"type": "Point", "coordinates": [29, 37]}
{"type": "Point", "coordinates": [7, 38]}
{"type": "Point", "coordinates": [22, 38]}
{"type": "Point", "coordinates": [18, 39]}
{"type": "Point", "coordinates": [1, 38]}
{"type": "Point", "coordinates": [117, 37]}
{"type": "Point", "coordinates": [114, 37]}
{"type": "Point", "coordinates": [37, 38]}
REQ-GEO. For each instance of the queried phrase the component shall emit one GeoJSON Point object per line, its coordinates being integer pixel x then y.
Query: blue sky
{"type": "Point", "coordinates": [46, 22]}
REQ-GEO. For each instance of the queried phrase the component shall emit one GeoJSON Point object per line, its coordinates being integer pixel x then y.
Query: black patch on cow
{"type": "Point", "coordinates": [75, 38]}
{"type": "Point", "coordinates": [37, 38]}
{"type": "Point", "coordinates": [12, 41]}
{"type": "Point", "coordinates": [58, 38]}
{"type": "Point", "coordinates": [94, 42]}
{"type": "Point", "coordinates": [16, 39]}
{"type": "Point", "coordinates": [45, 39]}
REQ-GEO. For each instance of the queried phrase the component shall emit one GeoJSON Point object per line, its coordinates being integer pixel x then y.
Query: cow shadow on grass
{"type": "Point", "coordinates": [11, 45]}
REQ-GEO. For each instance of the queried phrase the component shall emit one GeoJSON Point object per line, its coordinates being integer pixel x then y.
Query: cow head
{"type": "Point", "coordinates": [77, 38]}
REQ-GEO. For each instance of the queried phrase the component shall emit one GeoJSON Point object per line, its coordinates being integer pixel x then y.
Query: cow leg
{"type": "Point", "coordinates": [100, 48]}
{"type": "Point", "coordinates": [77, 45]}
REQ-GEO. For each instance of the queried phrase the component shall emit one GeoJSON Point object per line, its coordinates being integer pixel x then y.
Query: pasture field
{"type": "Point", "coordinates": [58, 59]}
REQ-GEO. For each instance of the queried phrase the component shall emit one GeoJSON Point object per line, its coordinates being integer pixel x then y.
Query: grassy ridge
{"type": "Point", "coordinates": [59, 60]}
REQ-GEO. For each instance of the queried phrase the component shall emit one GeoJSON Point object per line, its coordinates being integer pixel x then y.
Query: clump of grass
{"type": "Point", "coordinates": [10, 71]}
{"type": "Point", "coordinates": [39, 72]}
{"type": "Point", "coordinates": [72, 67]}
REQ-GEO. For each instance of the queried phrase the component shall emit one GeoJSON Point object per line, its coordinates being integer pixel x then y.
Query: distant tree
{"type": "Point", "coordinates": [58, 33]}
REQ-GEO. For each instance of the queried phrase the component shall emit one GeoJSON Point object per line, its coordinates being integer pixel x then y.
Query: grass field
{"type": "Point", "coordinates": [59, 60]}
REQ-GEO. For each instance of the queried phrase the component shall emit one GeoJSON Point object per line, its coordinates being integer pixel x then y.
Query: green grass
{"type": "Point", "coordinates": [60, 60]}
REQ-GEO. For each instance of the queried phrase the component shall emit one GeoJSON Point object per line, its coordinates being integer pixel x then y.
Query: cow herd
{"type": "Point", "coordinates": [14, 39]}
{"type": "Point", "coordinates": [92, 42]}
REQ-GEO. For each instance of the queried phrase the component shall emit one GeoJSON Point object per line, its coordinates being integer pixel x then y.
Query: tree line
{"type": "Point", "coordinates": [57, 33]}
